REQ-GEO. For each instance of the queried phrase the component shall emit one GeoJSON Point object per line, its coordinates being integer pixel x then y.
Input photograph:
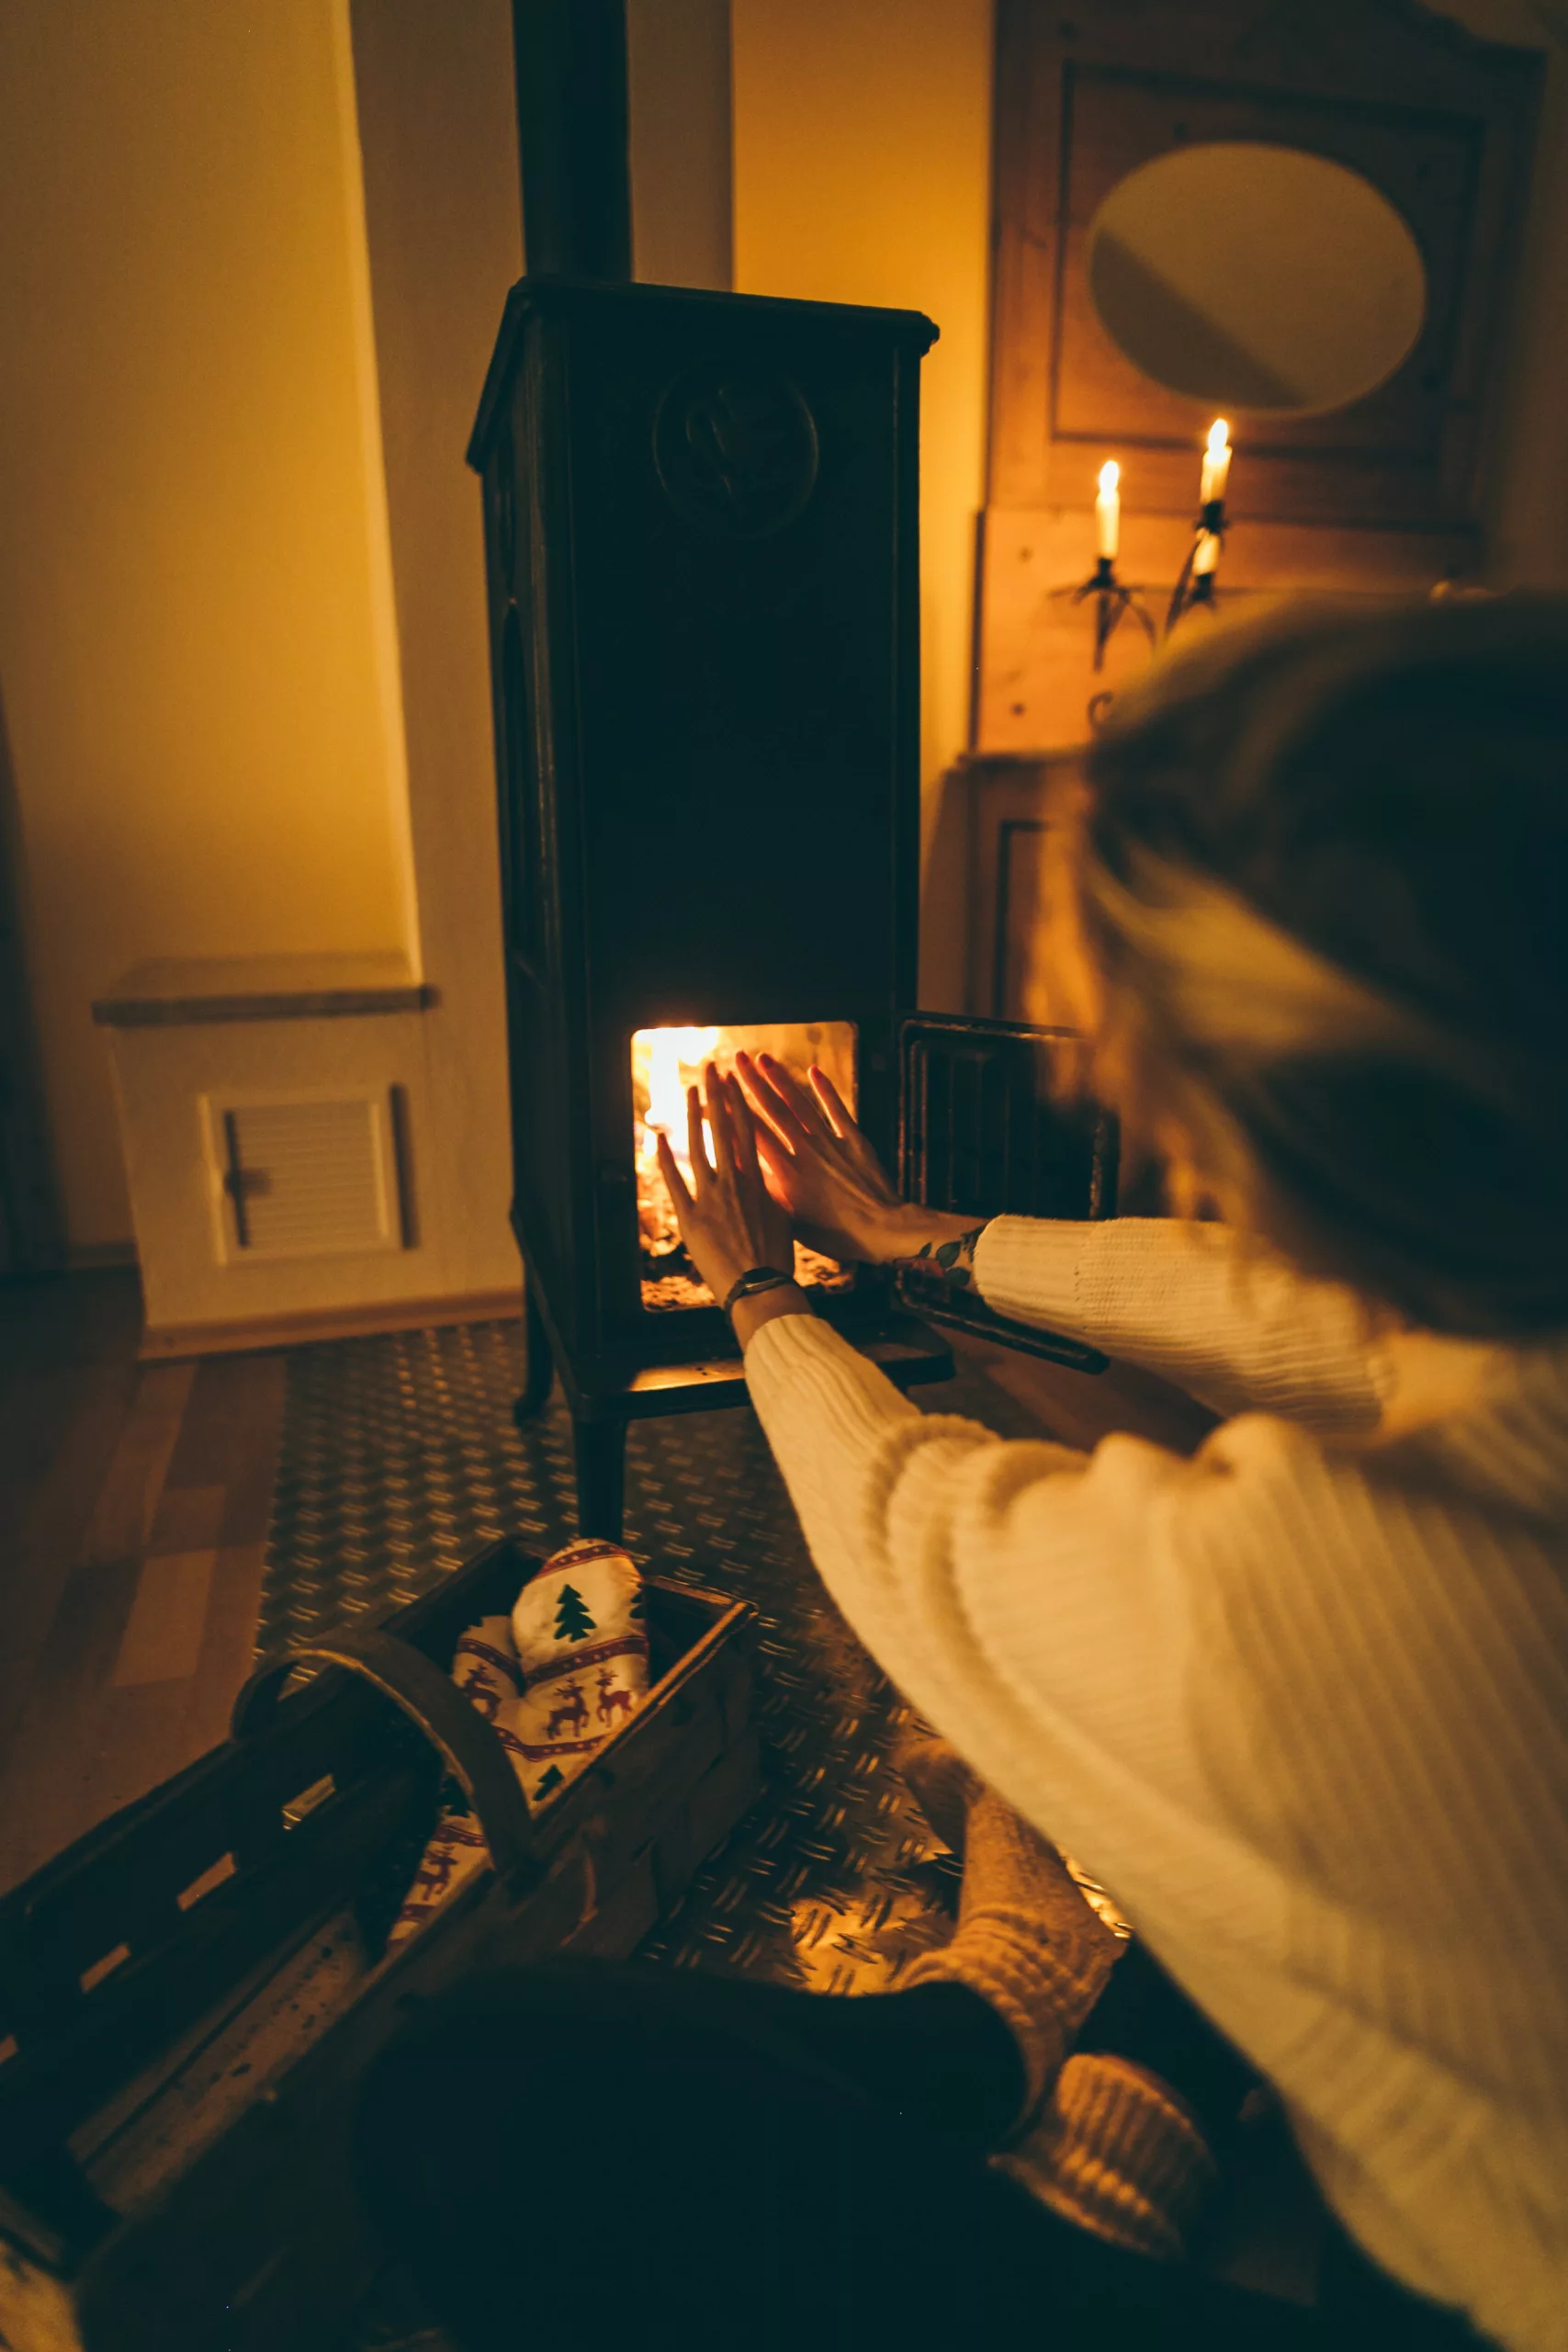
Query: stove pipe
{"type": "Point", "coordinates": [571, 65]}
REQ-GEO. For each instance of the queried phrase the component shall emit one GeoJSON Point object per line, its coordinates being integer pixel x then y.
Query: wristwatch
{"type": "Point", "coordinates": [755, 1280]}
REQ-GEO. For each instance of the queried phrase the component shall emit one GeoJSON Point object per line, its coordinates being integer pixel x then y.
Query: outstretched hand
{"type": "Point", "coordinates": [819, 1166]}
{"type": "Point", "coordinates": [729, 1221]}
{"type": "Point", "coordinates": [787, 1160]}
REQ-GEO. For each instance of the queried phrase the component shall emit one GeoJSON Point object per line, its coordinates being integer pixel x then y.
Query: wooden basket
{"type": "Point", "coordinates": [187, 1993]}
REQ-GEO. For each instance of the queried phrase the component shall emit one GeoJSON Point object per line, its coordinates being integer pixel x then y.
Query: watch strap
{"type": "Point", "coordinates": [755, 1278]}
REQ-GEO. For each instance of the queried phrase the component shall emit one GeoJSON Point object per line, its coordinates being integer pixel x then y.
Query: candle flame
{"type": "Point", "coordinates": [1109, 475]}
{"type": "Point", "coordinates": [1219, 434]}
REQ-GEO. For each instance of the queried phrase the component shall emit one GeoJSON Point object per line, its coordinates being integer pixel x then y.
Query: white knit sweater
{"type": "Point", "coordinates": [1300, 1703]}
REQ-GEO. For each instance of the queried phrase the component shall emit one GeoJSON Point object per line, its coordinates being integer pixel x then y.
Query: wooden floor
{"type": "Point", "coordinates": [134, 1500]}
{"type": "Point", "coordinates": [133, 1505]}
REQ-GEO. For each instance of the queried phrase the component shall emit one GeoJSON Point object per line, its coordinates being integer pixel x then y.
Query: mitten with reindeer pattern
{"type": "Point", "coordinates": [552, 1680]}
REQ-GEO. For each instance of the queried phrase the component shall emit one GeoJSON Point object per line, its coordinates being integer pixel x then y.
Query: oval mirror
{"type": "Point", "coordinates": [1253, 277]}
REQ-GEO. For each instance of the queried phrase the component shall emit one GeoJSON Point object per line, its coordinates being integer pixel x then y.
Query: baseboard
{"type": "Point", "coordinates": [265, 1331]}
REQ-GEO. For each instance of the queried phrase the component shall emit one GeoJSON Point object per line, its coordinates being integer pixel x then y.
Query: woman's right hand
{"type": "Point", "coordinates": [820, 1168]}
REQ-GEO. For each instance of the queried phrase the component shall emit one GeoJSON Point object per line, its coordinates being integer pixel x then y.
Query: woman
{"type": "Point", "coordinates": [1301, 1702]}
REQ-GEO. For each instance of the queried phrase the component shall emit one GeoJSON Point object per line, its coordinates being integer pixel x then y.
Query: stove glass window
{"type": "Point", "coordinates": [664, 1063]}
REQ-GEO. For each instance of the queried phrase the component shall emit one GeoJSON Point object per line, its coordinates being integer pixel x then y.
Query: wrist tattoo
{"type": "Point", "coordinates": [950, 1263]}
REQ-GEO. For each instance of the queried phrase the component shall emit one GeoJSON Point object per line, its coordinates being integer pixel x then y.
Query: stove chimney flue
{"type": "Point", "coordinates": [571, 64]}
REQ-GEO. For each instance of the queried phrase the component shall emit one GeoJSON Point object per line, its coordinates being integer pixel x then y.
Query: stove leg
{"type": "Point", "coordinates": [541, 1369]}
{"type": "Point", "coordinates": [601, 1451]}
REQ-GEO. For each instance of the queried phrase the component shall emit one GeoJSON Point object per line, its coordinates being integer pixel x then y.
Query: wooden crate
{"type": "Point", "coordinates": [188, 1992]}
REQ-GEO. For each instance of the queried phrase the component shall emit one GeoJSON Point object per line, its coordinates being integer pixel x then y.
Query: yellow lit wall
{"type": "Point", "coordinates": [197, 665]}
{"type": "Point", "coordinates": [863, 175]}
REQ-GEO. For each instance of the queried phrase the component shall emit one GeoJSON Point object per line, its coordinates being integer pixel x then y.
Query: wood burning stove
{"type": "Point", "coordinates": [701, 532]}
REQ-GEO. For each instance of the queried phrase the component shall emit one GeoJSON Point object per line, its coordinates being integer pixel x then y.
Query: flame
{"type": "Point", "coordinates": [1109, 475]}
{"type": "Point", "coordinates": [1219, 434]}
{"type": "Point", "coordinates": [675, 1058]}
{"type": "Point", "coordinates": [664, 1062]}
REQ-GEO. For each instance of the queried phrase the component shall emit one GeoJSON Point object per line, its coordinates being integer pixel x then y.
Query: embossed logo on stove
{"type": "Point", "coordinates": [736, 448]}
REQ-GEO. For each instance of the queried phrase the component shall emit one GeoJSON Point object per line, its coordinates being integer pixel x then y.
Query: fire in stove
{"type": "Point", "coordinates": [664, 1063]}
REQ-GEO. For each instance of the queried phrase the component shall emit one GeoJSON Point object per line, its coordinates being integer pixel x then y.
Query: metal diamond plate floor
{"type": "Point", "coordinates": [399, 1459]}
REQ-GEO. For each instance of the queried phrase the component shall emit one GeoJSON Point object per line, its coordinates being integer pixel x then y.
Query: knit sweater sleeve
{"type": "Point", "coordinates": [908, 1514]}
{"type": "Point", "coordinates": [1236, 1329]}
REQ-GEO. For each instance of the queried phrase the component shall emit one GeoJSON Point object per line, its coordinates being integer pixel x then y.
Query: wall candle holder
{"type": "Point", "coordinates": [1195, 582]}
{"type": "Point", "coordinates": [1112, 598]}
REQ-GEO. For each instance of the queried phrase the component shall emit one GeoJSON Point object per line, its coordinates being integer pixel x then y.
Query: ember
{"type": "Point", "coordinates": [664, 1063]}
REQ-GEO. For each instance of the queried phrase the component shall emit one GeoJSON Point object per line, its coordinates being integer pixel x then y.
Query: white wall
{"type": "Point", "coordinates": [438, 131]}
{"type": "Point", "coordinates": [678, 87]}
{"type": "Point", "coordinates": [196, 656]}
{"type": "Point", "coordinates": [863, 175]}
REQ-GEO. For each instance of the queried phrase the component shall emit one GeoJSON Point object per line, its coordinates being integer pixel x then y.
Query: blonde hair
{"type": "Point", "coordinates": [1323, 880]}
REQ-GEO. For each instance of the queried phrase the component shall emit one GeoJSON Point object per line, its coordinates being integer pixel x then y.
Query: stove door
{"type": "Point", "coordinates": [987, 1128]}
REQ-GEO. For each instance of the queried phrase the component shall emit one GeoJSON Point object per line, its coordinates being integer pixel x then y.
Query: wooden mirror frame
{"type": "Point", "coordinates": [1440, 123]}
{"type": "Point", "coordinates": [1386, 492]}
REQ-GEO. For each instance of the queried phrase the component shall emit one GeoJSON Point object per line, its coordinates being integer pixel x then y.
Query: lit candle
{"type": "Point", "coordinates": [1108, 511]}
{"type": "Point", "coordinates": [1216, 463]}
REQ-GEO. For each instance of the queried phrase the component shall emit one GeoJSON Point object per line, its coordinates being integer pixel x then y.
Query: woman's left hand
{"type": "Point", "coordinates": [729, 1221]}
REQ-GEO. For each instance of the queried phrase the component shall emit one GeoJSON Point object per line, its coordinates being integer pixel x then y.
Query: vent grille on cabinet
{"type": "Point", "coordinates": [305, 1178]}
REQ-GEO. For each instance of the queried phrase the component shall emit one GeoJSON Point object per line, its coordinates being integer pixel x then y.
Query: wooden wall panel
{"type": "Point", "coordinates": [1011, 805]}
{"type": "Point", "coordinates": [1037, 678]}
{"type": "Point", "coordinates": [1412, 442]}
{"type": "Point", "coordinates": [1387, 492]}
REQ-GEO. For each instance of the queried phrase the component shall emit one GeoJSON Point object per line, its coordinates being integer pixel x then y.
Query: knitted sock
{"type": "Point", "coordinates": [943, 1786]}
{"type": "Point", "coordinates": [1026, 1942]}
{"type": "Point", "coordinates": [1116, 2151]}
